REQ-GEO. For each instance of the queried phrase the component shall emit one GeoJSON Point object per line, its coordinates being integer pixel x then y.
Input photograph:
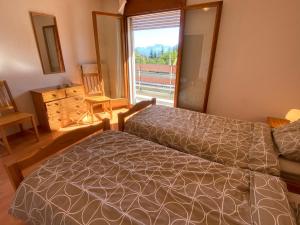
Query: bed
{"type": "Point", "coordinates": [118, 178]}
{"type": "Point", "coordinates": [227, 141]}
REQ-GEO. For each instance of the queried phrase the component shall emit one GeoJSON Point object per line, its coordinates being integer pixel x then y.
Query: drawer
{"type": "Point", "coordinates": [73, 104]}
{"type": "Point", "coordinates": [55, 123]}
{"type": "Point", "coordinates": [54, 95]}
{"type": "Point", "coordinates": [75, 116]}
{"type": "Point", "coordinates": [54, 108]}
{"type": "Point", "coordinates": [54, 114]}
{"type": "Point", "coordinates": [73, 91]}
{"type": "Point", "coordinates": [54, 105]}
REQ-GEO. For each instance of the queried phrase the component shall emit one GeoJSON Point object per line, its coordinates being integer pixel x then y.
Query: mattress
{"type": "Point", "coordinates": [289, 168]}
{"type": "Point", "coordinates": [118, 178]}
{"type": "Point", "coordinates": [227, 141]}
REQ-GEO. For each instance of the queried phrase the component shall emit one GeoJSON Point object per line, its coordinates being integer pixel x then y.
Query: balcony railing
{"type": "Point", "coordinates": [154, 80]}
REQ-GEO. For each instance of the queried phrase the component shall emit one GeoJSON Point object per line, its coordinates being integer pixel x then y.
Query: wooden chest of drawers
{"type": "Point", "coordinates": [58, 108]}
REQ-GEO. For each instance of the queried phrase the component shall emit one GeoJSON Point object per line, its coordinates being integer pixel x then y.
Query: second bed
{"type": "Point", "coordinates": [230, 142]}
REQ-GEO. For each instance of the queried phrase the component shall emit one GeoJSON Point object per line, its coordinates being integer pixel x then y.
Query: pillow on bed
{"type": "Point", "coordinates": [287, 139]}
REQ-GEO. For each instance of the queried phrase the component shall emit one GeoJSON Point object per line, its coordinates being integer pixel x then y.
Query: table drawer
{"type": "Point", "coordinates": [73, 91]}
{"type": "Point", "coordinates": [54, 95]}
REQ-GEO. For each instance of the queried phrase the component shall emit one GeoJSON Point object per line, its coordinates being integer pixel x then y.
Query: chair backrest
{"type": "Point", "coordinates": [92, 80]}
{"type": "Point", "coordinates": [7, 102]}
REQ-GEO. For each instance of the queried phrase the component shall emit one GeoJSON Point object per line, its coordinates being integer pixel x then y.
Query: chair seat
{"type": "Point", "coordinates": [97, 99]}
{"type": "Point", "coordinates": [13, 118]}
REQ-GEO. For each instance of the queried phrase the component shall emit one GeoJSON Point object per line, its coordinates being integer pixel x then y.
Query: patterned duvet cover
{"type": "Point", "coordinates": [227, 141]}
{"type": "Point", "coordinates": [118, 178]}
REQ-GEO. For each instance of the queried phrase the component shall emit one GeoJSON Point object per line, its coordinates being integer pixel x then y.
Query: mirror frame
{"type": "Point", "coordinates": [61, 58]}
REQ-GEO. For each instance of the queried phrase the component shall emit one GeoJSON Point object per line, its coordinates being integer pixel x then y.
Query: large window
{"type": "Point", "coordinates": [154, 48]}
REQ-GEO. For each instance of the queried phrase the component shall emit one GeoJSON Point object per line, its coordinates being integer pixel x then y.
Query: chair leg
{"type": "Point", "coordinates": [110, 109]}
{"type": "Point", "coordinates": [85, 115]}
{"type": "Point", "coordinates": [35, 128]}
{"type": "Point", "coordinates": [4, 138]}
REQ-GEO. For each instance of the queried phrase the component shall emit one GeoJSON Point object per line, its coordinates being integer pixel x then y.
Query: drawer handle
{"type": "Point", "coordinates": [54, 95]}
{"type": "Point", "coordinates": [57, 111]}
{"type": "Point", "coordinates": [77, 106]}
{"type": "Point", "coordinates": [56, 103]}
{"type": "Point", "coordinates": [74, 91]}
{"type": "Point", "coordinates": [59, 119]}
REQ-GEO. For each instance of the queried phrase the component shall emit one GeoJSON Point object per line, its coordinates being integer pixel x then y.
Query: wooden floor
{"type": "Point", "coordinates": [22, 145]}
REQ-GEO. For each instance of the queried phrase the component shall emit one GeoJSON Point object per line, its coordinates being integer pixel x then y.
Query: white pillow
{"type": "Point", "coordinates": [287, 139]}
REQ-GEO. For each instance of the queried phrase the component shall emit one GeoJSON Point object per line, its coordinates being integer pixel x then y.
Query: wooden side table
{"type": "Point", "coordinates": [277, 122]}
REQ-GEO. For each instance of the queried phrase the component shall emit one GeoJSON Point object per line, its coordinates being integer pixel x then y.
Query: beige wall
{"type": "Point", "coordinates": [257, 66]}
{"type": "Point", "coordinates": [19, 60]}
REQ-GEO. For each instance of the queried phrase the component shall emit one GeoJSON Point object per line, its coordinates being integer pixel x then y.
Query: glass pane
{"type": "Point", "coordinates": [198, 36]}
{"type": "Point", "coordinates": [110, 48]}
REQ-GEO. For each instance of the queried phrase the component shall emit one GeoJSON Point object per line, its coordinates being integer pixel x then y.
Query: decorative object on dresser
{"type": "Point", "coordinates": [10, 114]}
{"type": "Point", "coordinates": [94, 91]}
{"type": "Point", "coordinates": [276, 122]}
{"type": "Point", "coordinates": [58, 107]}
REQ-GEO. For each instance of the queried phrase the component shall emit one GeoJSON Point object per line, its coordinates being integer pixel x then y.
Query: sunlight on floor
{"type": "Point", "coordinates": [86, 121]}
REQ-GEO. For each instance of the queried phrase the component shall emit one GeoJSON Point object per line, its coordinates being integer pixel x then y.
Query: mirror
{"type": "Point", "coordinates": [48, 44]}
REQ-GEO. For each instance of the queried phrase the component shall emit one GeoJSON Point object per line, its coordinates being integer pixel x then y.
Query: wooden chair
{"type": "Point", "coordinates": [94, 90]}
{"type": "Point", "coordinates": [10, 114]}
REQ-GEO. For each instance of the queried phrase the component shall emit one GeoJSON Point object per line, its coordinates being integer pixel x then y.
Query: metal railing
{"type": "Point", "coordinates": [156, 81]}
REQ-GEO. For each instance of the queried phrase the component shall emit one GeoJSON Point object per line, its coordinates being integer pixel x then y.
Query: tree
{"type": "Point", "coordinates": [151, 53]}
{"type": "Point", "coordinates": [163, 57]}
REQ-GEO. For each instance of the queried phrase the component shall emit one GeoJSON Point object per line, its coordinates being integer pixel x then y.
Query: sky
{"type": "Point", "coordinates": [166, 36]}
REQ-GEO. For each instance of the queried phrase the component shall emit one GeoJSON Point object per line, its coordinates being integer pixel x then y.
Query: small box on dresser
{"type": "Point", "coordinates": [58, 107]}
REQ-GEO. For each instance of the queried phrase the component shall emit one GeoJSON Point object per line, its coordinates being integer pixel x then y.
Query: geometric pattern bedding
{"type": "Point", "coordinates": [287, 139]}
{"type": "Point", "coordinates": [118, 178]}
{"type": "Point", "coordinates": [294, 200]}
{"type": "Point", "coordinates": [227, 141]}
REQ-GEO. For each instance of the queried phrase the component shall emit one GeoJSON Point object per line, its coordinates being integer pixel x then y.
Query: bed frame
{"type": "Point", "coordinates": [15, 169]}
{"type": "Point", "coordinates": [137, 107]}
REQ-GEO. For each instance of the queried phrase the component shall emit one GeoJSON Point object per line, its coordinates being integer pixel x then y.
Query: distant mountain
{"type": "Point", "coordinates": [156, 50]}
